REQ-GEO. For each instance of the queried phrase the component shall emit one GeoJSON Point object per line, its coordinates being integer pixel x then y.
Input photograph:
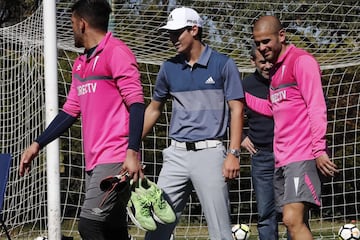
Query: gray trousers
{"type": "Point", "coordinates": [183, 171]}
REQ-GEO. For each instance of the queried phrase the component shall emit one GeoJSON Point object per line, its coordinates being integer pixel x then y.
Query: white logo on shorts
{"type": "Point", "coordinates": [296, 183]}
{"type": "Point", "coordinates": [96, 211]}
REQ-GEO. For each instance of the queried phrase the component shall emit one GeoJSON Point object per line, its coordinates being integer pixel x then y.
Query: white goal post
{"type": "Point", "coordinates": [51, 110]}
{"type": "Point", "coordinates": [327, 29]}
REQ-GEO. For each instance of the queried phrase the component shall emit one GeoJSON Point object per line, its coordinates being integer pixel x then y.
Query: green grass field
{"type": "Point", "coordinates": [194, 233]}
{"type": "Point", "coordinates": [200, 232]}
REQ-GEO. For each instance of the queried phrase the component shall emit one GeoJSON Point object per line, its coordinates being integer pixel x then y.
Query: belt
{"type": "Point", "coordinates": [194, 146]}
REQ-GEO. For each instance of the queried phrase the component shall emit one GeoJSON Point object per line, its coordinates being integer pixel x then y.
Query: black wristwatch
{"type": "Point", "coordinates": [235, 152]}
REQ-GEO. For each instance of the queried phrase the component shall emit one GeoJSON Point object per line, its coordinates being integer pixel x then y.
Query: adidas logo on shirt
{"type": "Point", "coordinates": [210, 80]}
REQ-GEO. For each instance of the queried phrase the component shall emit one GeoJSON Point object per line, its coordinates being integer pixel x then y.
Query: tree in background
{"type": "Point", "coordinates": [14, 11]}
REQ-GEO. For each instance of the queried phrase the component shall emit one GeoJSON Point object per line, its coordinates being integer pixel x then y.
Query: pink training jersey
{"type": "Point", "coordinates": [102, 89]}
{"type": "Point", "coordinates": [298, 107]}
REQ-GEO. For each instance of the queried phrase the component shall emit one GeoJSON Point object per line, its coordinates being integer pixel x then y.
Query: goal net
{"type": "Point", "coordinates": [327, 29]}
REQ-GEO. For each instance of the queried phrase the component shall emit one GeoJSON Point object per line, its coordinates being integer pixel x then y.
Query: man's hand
{"type": "Point", "coordinates": [26, 158]}
{"type": "Point", "coordinates": [231, 167]}
{"type": "Point", "coordinates": [132, 165]}
{"type": "Point", "coordinates": [326, 166]}
{"type": "Point", "coordinates": [248, 145]}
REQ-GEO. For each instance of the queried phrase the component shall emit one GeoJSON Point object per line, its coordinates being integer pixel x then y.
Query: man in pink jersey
{"type": "Point", "coordinates": [299, 111]}
{"type": "Point", "coordinates": [106, 91]}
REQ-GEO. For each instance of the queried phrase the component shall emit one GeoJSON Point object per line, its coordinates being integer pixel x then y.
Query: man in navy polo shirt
{"type": "Point", "coordinates": [207, 98]}
{"type": "Point", "coordinates": [259, 142]}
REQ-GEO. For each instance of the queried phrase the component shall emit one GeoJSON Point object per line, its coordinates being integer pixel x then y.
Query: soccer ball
{"type": "Point", "coordinates": [240, 232]}
{"type": "Point", "coordinates": [41, 238]}
{"type": "Point", "coordinates": [349, 232]}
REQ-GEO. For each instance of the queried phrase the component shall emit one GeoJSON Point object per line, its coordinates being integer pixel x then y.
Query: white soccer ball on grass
{"type": "Point", "coordinates": [41, 238]}
{"type": "Point", "coordinates": [349, 231]}
{"type": "Point", "coordinates": [240, 232]}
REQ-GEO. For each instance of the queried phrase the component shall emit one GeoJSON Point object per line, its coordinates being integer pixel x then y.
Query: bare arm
{"type": "Point", "coordinates": [152, 113]}
{"type": "Point", "coordinates": [231, 166]}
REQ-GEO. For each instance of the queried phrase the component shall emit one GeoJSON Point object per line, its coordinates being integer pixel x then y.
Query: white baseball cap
{"type": "Point", "coordinates": [182, 17]}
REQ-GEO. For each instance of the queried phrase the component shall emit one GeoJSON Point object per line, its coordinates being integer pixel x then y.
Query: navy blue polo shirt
{"type": "Point", "coordinates": [261, 128]}
{"type": "Point", "coordinates": [199, 94]}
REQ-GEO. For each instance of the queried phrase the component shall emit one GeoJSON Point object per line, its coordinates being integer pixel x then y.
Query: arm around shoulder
{"type": "Point", "coordinates": [261, 106]}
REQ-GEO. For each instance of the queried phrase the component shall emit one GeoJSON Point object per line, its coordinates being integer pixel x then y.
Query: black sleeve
{"type": "Point", "coordinates": [61, 122]}
{"type": "Point", "coordinates": [137, 111]}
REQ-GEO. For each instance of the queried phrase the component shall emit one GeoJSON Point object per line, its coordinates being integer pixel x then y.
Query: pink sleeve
{"type": "Point", "coordinates": [259, 105]}
{"type": "Point", "coordinates": [308, 75]}
{"type": "Point", "coordinates": [71, 106]}
{"type": "Point", "coordinates": [126, 72]}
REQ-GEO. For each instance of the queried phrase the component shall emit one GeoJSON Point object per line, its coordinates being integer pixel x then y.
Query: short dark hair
{"type": "Point", "coordinates": [95, 12]}
{"type": "Point", "coordinates": [253, 51]}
